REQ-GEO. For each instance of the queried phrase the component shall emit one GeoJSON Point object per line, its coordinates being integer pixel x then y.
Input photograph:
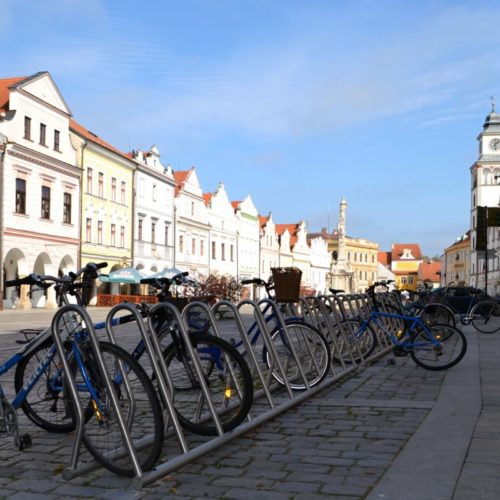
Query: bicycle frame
{"type": "Point", "coordinates": [403, 342]}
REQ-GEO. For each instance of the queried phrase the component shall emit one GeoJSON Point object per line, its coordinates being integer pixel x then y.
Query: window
{"type": "Point", "coordinates": [20, 196]}
{"type": "Point", "coordinates": [99, 232]}
{"type": "Point", "coordinates": [202, 248]}
{"type": "Point", "coordinates": [231, 252]}
{"type": "Point", "coordinates": [89, 180]}
{"type": "Point", "coordinates": [355, 256]}
{"type": "Point", "coordinates": [154, 192]}
{"type": "Point", "coordinates": [166, 234]}
{"type": "Point", "coordinates": [45, 202]}
{"type": "Point", "coordinates": [57, 136]}
{"type": "Point", "coordinates": [410, 280]}
{"type": "Point", "coordinates": [27, 128]}
{"type": "Point", "coordinates": [67, 208]}
{"type": "Point", "coordinates": [139, 230]}
{"type": "Point", "coordinates": [113, 235]}
{"type": "Point", "coordinates": [101, 185]}
{"type": "Point", "coordinates": [348, 255]}
{"type": "Point", "coordinates": [88, 230]}
{"type": "Point", "coordinates": [43, 133]}
{"type": "Point", "coordinates": [403, 280]}
{"type": "Point", "coordinates": [223, 251]}
{"type": "Point", "coordinates": [192, 208]}
{"type": "Point", "coordinates": [153, 233]}
{"type": "Point", "coordinates": [122, 236]}
{"type": "Point", "coordinates": [193, 246]}
{"type": "Point", "coordinates": [213, 250]}
{"type": "Point", "coordinates": [181, 243]}
{"type": "Point", "coordinates": [113, 188]}
{"type": "Point", "coordinates": [123, 189]}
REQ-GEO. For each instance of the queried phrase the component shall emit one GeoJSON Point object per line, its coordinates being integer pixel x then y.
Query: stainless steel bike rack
{"type": "Point", "coordinates": [270, 399]}
{"type": "Point", "coordinates": [66, 321]}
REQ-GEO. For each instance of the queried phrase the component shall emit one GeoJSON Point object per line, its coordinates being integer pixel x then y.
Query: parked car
{"type": "Point", "coordinates": [458, 297]}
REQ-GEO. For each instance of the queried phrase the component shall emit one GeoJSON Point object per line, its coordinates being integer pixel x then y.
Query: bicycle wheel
{"type": "Point", "coordinates": [352, 346]}
{"type": "Point", "coordinates": [443, 346]}
{"type": "Point", "coordinates": [312, 352]}
{"type": "Point", "coordinates": [139, 407]}
{"type": "Point", "coordinates": [486, 317]}
{"type": "Point", "coordinates": [45, 404]}
{"type": "Point", "coordinates": [228, 378]}
{"type": "Point", "coordinates": [434, 313]}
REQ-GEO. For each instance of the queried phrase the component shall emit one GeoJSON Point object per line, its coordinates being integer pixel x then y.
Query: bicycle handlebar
{"type": "Point", "coordinates": [254, 281]}
{"type": "Point", "coordinates": [164, 283]}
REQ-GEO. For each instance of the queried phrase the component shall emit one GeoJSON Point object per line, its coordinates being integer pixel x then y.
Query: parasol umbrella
{"type": "Point", "coordinates": [168, 272]}
{"type": "Point", "coordinates": [125, 275]}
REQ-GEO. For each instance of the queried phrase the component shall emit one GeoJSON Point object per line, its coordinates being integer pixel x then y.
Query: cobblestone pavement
{"type": "Point", "coordinates": [338, 444]}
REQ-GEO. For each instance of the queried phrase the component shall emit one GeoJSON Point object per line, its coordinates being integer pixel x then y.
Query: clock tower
{"type": "Point", "coordinates": [485, 192]}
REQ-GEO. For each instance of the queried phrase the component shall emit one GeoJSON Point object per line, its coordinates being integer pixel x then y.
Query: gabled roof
{"type": "Point", "coordinates": [399, 248]}
{"type": "Point", "coordinates": [207, 197]}
{"type": "Point", "coordinates": [236, 205]}
{"type": "Point", "coordinates": [430, 271]}
{"type": "Point", "coordinates": [292, 229]}
{"type": "Point", "coordinates": [181, 177]}
{"type": "Point", "coordinates": [5, 85]}
{"type": "Point", "coordinates": [87, 134]}
{"type": "Point", "coordinates": [263, 220]}
{"type": "Point", "coordinates": [384, 258]}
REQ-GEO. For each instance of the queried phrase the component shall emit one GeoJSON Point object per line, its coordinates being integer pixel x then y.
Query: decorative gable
{"type": "Point", "coordinates": [43, 87]}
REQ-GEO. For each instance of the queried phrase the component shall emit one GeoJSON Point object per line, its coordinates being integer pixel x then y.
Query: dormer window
{"type": "Point", "coordinates": [407, 254]}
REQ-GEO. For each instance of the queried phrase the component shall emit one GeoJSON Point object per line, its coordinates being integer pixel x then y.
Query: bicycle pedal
{"type": "Point", "coordinates": [25, 441]}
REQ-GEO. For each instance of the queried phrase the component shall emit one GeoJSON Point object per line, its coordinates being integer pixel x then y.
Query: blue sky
{"type": "Point", "coordinates": [297, 103]}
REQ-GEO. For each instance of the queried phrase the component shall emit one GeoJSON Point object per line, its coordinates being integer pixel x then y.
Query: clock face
{"type": "Point", "coordinates": [494, 144]}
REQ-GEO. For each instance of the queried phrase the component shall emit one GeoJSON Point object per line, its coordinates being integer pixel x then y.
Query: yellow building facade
{"type": "Point", "coordinates": [106, 202]}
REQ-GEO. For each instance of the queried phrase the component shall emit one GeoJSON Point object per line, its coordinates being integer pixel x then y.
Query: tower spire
{"type": "Point", "coordinates": [492, 103]}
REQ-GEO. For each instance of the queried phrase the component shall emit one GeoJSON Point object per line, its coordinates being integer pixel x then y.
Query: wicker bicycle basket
{"type": "Point", "coordinates": [286, 283]}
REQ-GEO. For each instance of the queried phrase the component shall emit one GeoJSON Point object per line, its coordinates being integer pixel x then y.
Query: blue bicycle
{"type": "Point", "coordinates": [225, 371]}
{"type": "Point", "coordinates": [301, 347]}
{"type": "Point", "coordinates": [44, 395]}
{"type": "Point", "coordinates": [433, 347]}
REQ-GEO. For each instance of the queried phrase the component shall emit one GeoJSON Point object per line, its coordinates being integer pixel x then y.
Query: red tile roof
{"type": "Point", "coordinates": [5, 84]}
{"type": "Point", "coordinates": [292, 229]}
{"type": "Point", "coordinates": [236, 205]}
{"type": "Point", "coordinates": [207, 197]}
{"type": "Point", "coordinates": [180, 177]}
{"type": "Point", "coordinates": [428, 271]}
{"type": "Point", "coordinates": [398, 249]}
{"type": "Point", "coordinates": [263, 220]}
{"type": "Point", "coordinates": [87, 134]}
{"type": "Point", "coordinates": [384, 258]}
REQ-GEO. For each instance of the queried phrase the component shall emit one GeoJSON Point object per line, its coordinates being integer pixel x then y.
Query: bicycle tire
{"type": "Point", "coordinates": [231, 390]}
{"type": "Point", "coordinates": [45, 404]}
{"type": "Point", "coordinates": [435, 313]}
{"type": "Point", "coordinates": [351, 346]}
{"type": "Point", "coordinates": [449, 350]}
{"type": "Point", "coordinates": [311, 348]}
{"type": "Point", "coordinates": [486, 317]}
{"type": "Point", "coordinates": [102, 436]}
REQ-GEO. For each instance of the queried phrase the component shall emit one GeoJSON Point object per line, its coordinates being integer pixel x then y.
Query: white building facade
{"type": "Point", "coordinates": [40, 187]}
{"type": "Point", "coordinates": [485, 192]}
{"type": "Point", "coordinates": [223, 232]}
{"type": "Point", "coordinates": [320, 264]}
{"type": "Point", "coordinates": [269, 246]}
{"type": "Point", "coordinates": [192, 228]}
{"type": "Point", "coordinates": [154, 213]}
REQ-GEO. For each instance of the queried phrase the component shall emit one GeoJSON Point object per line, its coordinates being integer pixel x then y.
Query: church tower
{"type": "Point", "coordinates": [485, 192]}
